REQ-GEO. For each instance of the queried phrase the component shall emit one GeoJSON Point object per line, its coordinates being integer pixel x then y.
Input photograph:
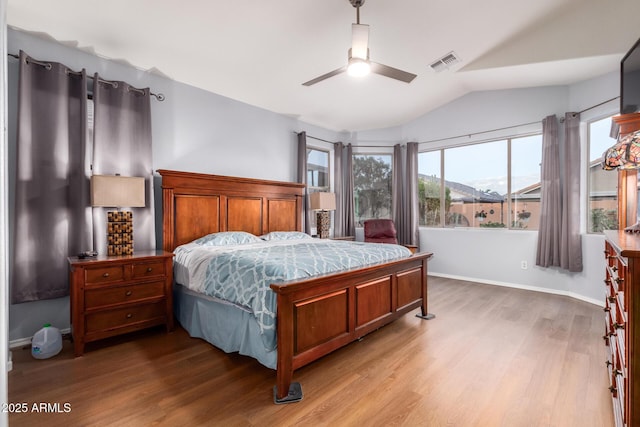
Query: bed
{"type": "Point", "coordinates": [315, 315]}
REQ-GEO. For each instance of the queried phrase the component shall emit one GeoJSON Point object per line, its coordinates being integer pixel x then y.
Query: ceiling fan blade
{"type": "Point", "coordinates": [360, 41]}
{"type": "Point", "coordinates": [394, 73]}
{"type": "Point", "coordinates": [325, 76]}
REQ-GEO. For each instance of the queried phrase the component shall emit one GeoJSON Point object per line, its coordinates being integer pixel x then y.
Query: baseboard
{"type": "Point", "coordinates": [573, 295]}
{"type": "Point", "coordinates": [22, 342]}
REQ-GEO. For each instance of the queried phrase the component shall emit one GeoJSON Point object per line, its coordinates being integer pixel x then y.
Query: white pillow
{"type": "Point", "coordinates": [285, 235]}
{"type": "Point", "coordinates": [225, 238]}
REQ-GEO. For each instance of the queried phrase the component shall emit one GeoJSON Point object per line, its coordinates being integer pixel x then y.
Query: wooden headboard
{"type": "Point", "coordinates": [195, 205]}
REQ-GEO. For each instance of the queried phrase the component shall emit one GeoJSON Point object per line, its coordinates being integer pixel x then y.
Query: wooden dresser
{"type": "Point", "coordinates": [113, 295]}
{"type": "Point", "coordinates": [622, 325]}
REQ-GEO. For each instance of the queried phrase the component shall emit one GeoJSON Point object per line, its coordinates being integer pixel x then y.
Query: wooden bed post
{"type": "Point", "coordinates": [285, 391]}
{"type": "Point", "coordinates": [424, 311]}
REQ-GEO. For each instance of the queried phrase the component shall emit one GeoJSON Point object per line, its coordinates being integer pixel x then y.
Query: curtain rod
{"type": "Point", "coordinates": [159, 96]}
{"type": "Point", "coordinates": [468, 135]}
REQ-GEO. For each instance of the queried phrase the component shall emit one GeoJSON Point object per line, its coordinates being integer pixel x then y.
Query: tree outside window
{"type": "Point", "coordinates": [372, 186]}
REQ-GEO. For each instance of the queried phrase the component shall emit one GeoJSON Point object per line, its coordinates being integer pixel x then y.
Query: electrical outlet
{"type": "Point", "coordinates": [523, 265]}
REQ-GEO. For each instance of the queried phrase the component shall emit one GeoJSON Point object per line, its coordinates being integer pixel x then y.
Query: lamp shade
{"type": "Point", "coordinates": [625, 154]}
{"type": "Point", "coordinates": [117, 191]}
{"type": "Point", "coordinates": [321, 201]}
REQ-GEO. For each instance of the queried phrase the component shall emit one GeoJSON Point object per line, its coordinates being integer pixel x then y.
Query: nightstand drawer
{"type": "Point", "coordinates": [104, 274]}
{"type": "Point", "coordinates": [120, 317]}
{"type": "Point", "coordinates": [148, 269]}
{"type": "Point", "coordinates": [94, 298]}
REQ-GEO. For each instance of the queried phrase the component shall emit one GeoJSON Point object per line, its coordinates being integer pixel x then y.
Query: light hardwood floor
{"type": "Point", "coordinates": [493, 356]}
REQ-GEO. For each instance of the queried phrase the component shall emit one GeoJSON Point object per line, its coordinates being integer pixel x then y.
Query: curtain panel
{"type": "Point", "coordinates": [338, 184]}
{"type": "Point", "coordinates": [405, 193]}
{"type": "Point", "coordinates": [122, 145]}
{"type": "Point", "coordinates": [51, 219]}
{"type": "Point", "coordinates": [559, 240]}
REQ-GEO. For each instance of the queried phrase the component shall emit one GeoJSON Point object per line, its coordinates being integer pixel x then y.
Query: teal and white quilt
{"type": "Point", "coordinates": [241, 274]}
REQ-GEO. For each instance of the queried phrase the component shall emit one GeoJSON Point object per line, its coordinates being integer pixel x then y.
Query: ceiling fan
{"type": "Point", "coordinates": [359, 63]}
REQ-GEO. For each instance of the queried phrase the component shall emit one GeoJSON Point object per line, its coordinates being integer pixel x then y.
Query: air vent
{"type": "Point", "coordinates": [445, 62]}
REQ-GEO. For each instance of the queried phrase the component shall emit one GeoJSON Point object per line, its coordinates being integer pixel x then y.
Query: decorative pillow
{"type": "Point", "coordinates": [285, 235]}
{"type": "Point", "coordinates": [227, 238]}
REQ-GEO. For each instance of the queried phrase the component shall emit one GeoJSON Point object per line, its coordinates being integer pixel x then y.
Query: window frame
{"type": "Point", "coordinates": [373, 151]}
{"type": "Point", "coordinates": [509, 195]}
{"type": "Point", "coordinates": [588, 185]}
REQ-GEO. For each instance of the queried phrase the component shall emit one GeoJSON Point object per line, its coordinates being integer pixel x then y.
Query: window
{"type": "Point", "coordinates": [473, 187]}
{"type": "Point", "coordinates": [372, 186]}
{"type": "Point", "coordinates": [318, 176]}
{"type": "Point", "coordinates": [317, 170]}
{"type": "Point", "coordinates": [603, 185]}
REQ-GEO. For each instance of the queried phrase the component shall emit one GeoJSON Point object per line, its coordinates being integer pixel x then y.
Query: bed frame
{"type": "Point", "coordinates": [315, 316]}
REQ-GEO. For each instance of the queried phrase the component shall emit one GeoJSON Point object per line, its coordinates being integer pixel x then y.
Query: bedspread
{"type": "Point", "coordinates": [241, 274]}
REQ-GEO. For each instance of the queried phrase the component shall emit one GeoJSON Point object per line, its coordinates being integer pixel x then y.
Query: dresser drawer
{"type": "Point", "coordinates": [124, 316]}
{"type": "Point", "coordinates": [94, 298]}
{"type": "Point", "coordinates": [148, 269]}
{"type": "Point", "coordinates": [106, 274]}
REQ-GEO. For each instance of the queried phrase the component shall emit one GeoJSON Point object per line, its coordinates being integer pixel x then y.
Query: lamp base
{"type": "Point", "coordinates": [323, 223]}
{"type": "Point", "coordinates": [120, 233]}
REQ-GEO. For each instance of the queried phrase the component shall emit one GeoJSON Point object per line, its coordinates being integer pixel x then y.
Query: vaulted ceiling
{"type": "Point", "coordinates": [260, 51]}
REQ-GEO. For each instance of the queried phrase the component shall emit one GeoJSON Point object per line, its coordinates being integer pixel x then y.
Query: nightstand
{"type": "Point", "coordinates": [113, 295]}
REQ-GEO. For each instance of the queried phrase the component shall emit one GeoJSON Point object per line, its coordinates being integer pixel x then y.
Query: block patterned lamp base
{"type": "Point", "coordinates": [120, 233]}
{"type": "Point", "coordinates": [323, 224]}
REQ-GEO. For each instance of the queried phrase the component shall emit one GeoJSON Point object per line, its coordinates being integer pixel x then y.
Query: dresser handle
{"type": "Point", "coordinates": [617, 372]}
{"type": "Point", "coordinates": [618, 326]}
{"type": "Point", "coordinates": [607, 309]}
{"type": "Point", "coordinates": [614, 268]}
{"type": "Point", "coordinates": [608, 363]}
{"type": "Point", "coordinates": [105, 275]}
{"type": "Point", "coordinates": [612, 389]}
{"type": "Point", "coordinates": [128, 293]}
{"type": "Point", "coordinates": [129, 315]}
{"type": "Point", "coordinates": [611, 299]}
{"type": "Point", "coordinates": [149, 269]}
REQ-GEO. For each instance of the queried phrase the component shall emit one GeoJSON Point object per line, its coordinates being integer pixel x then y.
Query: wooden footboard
{"type": "Point", "coordinates": [317, 316]}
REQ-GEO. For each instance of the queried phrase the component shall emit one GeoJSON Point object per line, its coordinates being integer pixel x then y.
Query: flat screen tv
{"type": "Point", "coordinates": [630, 81]}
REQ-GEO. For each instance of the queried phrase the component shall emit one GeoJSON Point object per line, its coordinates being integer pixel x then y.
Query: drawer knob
{"type": "Point", "coordinates": [149, 269]}
{"type": "Point", "coordinates": [607, 309]}
{"type": "Point", "coordinates": [619, 279]}
{"type": "Point", "coordinates": [611, 299]}
{"type": "Point", "coordinates": [129, 315]}
{"type": "Point", "coordinates": [612, 389]}
{"type": "Point", "coordinates": [618, 326]}
{"type": "Point", "coordinates": [608, 363]}
{"type": "Point", "coordinates": [105, 275]}
{"type": "Point", "coordinates": [128, 293]}
{"type": "Point", "coordinates": [617, 372]}
{"type": "Point", "coordinates": [614, 268]}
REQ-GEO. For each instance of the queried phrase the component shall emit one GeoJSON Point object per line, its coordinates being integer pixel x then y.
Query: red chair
{"type": "Point", "coordinates": [380, 231]}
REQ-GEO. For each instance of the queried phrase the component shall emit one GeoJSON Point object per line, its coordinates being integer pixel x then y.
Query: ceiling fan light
{"type": "Point", "coordinates": [358, 67]}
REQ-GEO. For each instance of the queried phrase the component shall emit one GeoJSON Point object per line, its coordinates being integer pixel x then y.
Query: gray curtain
{"type": "Point", "coordinates": [302, 178]}
{"type": "Point", "coordinates": [52, 216]}
{"type": "Point", "coordinates": [559, 243]}
{"type": "Point", "coordinates": [398, 210]}
{"type": "Point", "coordinates": [122, 145]}
{"type": "Point", "coordinates": [405, 192]}
{"type": "Point", "coordinates": [571, 243]}
{"type": "Point", "coordinates": [338, 217]}
{"type": "Point", "coordinates": [344, 217]}
{"type": "Point", "coordinates": [411, 195]}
